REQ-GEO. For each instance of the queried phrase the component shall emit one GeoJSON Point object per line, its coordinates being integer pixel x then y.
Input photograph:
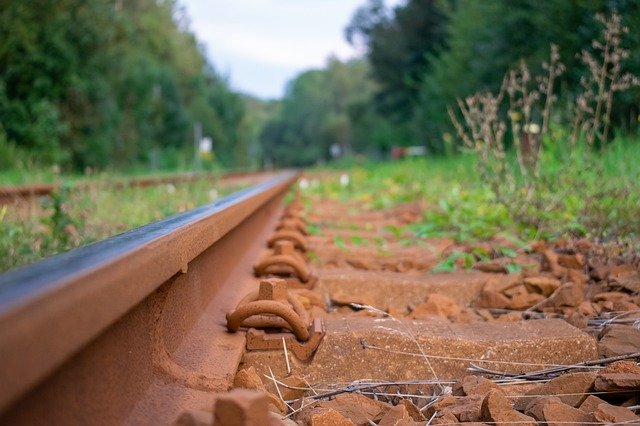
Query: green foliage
{"type": "Point", "coordinates": [425, 54]}
{"type": "Point", "coordinates": [103, 84]}
{"type": "Point", "coordinates": [399, 45]}
{"type": "Point", "coordinates": [325, 108]}
{"type": "Point", "coordinates": [73, 217]}
{"type": "Point", "coordinates": [449, 264]}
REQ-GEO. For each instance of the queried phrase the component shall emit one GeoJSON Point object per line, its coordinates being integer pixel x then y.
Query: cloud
{"type": "Point", "coordinates": [284, 36]}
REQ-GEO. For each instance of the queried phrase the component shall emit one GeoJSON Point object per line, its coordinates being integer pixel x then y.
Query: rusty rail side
{"type": "Point", "coordinates": [52, 313]}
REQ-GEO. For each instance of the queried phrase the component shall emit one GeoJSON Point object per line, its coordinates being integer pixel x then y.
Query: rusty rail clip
{"type": "Point", "coordinates": [285, 261]}
{"type": "Point", "coordinates": [294, 236]}
{"type": "Point", "coordinates": [260, 340]}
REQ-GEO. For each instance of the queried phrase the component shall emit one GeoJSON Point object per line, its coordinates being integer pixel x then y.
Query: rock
{"type": "Point", "coordinates": [577, 276]}
{"type": "Point", "coordinates": [276, 404]}
{"type": "Point", "coordinates": [588, 309]}
{"type": "Point", "coordinates": [329, 417]}
{"type": "Point", "coordinates": [445, 419]}
{"type": "Point", "coordinates": [468, 409]}
{"type": "Point", "coordinates": [550, 263]}
{"type": "Point", "coordinates": [577, 320]}
{"type": "Point", "coordinates": [293, 391]}
{"type": "Point", "coordinates": [466, 316]}
{"type": "Point", "coordinates": [357, 408]}
{"type": "Point", "coordinates": [572, 388]}
{"type": "Point", "coordinates": [590, 404]}
{"type": "Point", "coordinates": [492, 299]}
{"type": "Point", "coordinates": [502, 283]}
{"type": "Point", "coordinates": [194, 418]}
{"type": "Point", "coordinates": [621, 367]}
{"type": "Point", "coordinates": [611, 414]}
{"type": "Point", "coordinates": [436, 305]}
{"type": "Point", "coordinates": [395, 415]}
{"type": "Point", "coordinates": [625, 306]}
{"type": "Point", "coordinates": [630, 282]}
{"type": "Point", "coordinates": [571, 261]}
{"type": "Point", "coordinates": [619, 339]}
{"type": "Point", "coordinates": [497, 408]}
{"type": "Point", "coordinates": [241, 407]}
{"type": "Point", "coordinates": [496, 266]}
{"type": "Point", "coordinates": [568, 294]}
{"type": "Point", "coordinates": [583, 245]}
{"type": "Point", "coordinates": [599, 270]}
{"type": "Point", "coordinates": [440, 405]}
{"type": "Point", "coordinates": [611, 296]}
{"type": "Point", "coordinates": [309, 298]}
{"type": "Point", "coordinates": [619, 376]}
{"type": "Point", "coordinates": [474, 385]}
{"type": "Point", "coordinates": [414, 412]}
{"type": "Point", "coordinates": [542, 285]}
{"type": "Point", "coordinates": [277, 420]}
{"type": "Point", "coordinates": [248, 378]}
{"type": "Point", "coordinates": [554, 412]}
{"type": "Point", "coordinates": [341, 299]}
{"type": "Point", "coordinates": [510, 317]}
{"type": "Point", "coordinates": [524, 301]}
{"type": "Point", "coordinates": [617, 382]}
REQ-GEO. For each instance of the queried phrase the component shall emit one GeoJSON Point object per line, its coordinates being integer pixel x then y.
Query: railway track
{"type": "Point", "coordinates": [128, 330]}
{"type": "Point", "coordinates": [329, 312]}
{"type": "Point", "coordinates": [20, 193]}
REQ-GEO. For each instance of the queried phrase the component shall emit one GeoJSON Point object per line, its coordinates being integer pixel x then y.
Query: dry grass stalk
{"type": "Point", "coordinates": [483, 130]}
{"type": "Point", "coordinates": [521, 103]}
{"type": "Point", "coordinates": [604, 78]}
{"type": "Point", "coordinates": [484, 133]}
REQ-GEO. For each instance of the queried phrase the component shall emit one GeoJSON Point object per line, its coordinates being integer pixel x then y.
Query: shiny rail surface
{"type": "Point", "coordinates": [131, 329]}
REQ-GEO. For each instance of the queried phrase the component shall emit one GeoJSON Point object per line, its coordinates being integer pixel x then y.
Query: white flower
{"type": "Point", "coordinates": [532, 128]}
{"type": "Point", "coordinates": [303, 184]}
{"type": "Point", "coordinates": [344, 179]}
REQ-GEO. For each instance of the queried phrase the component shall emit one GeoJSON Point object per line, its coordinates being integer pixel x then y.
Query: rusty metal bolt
{"type": "Point", "coordinates": [288, 235]}
{"type": "Point", "coordinates": [268, 308]}
{"type": "Point", "coordinates": [293, 224]}
{"type": "Point", "coordinates": [284, 254]}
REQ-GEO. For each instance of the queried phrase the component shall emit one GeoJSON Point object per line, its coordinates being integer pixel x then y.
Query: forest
{"type": "Point", "coordinates": [98, 84]}
{"type": "Point", "coordinates": [95, 84]}
{"type": "Point", "coordinates": [423, 56]}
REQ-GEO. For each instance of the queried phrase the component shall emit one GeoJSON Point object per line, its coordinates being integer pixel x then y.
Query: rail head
{"type": "Point", "coordinates": [52, 309]}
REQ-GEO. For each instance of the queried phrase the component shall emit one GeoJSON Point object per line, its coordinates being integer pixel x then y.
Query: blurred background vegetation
{"type": "Point", "coordinates": [423, 55]}
{"type": "Point", "coordinates": [119, 85]}
{"type": "Point", "coordinates": [110, 84]}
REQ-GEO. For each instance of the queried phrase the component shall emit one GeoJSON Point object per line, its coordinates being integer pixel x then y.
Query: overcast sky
{"type": "Point", "coordinates": [261, 44]}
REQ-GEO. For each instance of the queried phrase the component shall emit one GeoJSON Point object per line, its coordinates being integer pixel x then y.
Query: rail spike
{"type": "Point", "coordinates": [271, 307]}
{"type": "Point", "coordinates": [284, 255]}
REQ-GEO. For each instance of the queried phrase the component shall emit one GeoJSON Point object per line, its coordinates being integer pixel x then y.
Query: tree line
{"type": "Point", "coordinates": [423, 55]}
{"type": "Point", "coordinates": [109, 83]}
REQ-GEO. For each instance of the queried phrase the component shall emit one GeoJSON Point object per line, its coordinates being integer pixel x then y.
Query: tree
{"type": "Point", "coordinates": [399, 47]}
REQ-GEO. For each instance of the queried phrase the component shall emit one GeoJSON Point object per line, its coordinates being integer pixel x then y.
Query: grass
{"type": "Point", "coordinates": [581, 192]}
{"type": "Point", "coordinates": [72, 218]}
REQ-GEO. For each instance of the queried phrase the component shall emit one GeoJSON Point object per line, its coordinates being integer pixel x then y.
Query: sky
{"type": "Point", "coordinates": [259, 45]}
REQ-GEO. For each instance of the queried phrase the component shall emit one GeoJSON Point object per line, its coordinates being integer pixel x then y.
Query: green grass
{"type": "Point", "coordinates": [582, 192]}
{"type": "Point", "coordinates": [75, 218]}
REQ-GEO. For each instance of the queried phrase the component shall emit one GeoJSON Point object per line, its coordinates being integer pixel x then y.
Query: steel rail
{"type": "Point", "coordinates": [15, 193]}
{"type": "Point", "coordinates": [140, 301]}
